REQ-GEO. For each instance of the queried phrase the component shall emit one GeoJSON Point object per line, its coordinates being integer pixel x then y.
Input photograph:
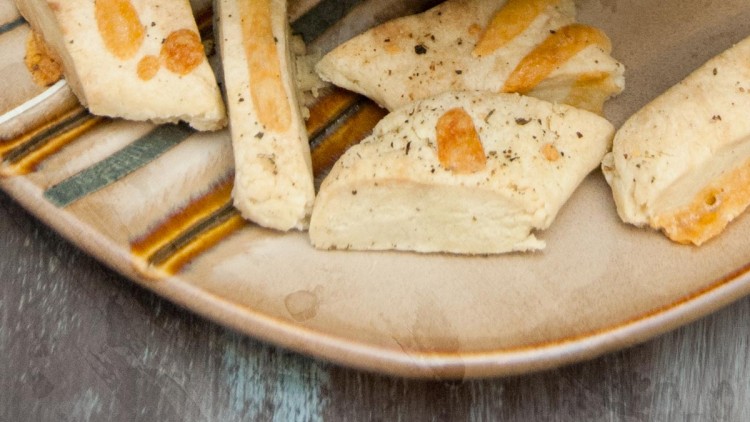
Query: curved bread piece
{"type": "Point", "coordinates": [480, 45]}
{"type": "Point", "coordinates": [682, 163]}
{"type": "Point", "coordinates": [273, 172]}
{"type": "Point", "coordinates": [132, 59]}
{"type": "Point", "coordinates": [467, 173]}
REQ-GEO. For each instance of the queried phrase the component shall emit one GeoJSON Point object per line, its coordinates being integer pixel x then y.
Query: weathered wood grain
{"type": "Point", "coordinates": [81, 343]}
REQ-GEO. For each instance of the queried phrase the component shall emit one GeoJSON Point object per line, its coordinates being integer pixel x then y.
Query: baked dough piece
{"type": "Point", "coordinates": [533, 47]}
{"type": "Point", "coordinates": [273, 171]}
{"type": "Point", "coordinates": [467, 173]}
{"type": "Point", "coordinates": [134, 59]}
{"type": "Point", "coordinates": [682, 163]}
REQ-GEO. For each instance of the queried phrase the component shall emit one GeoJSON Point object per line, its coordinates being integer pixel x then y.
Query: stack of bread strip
{"type": "Point", "coordinates": [488, 47]}
{"type": "Point", "coordinates": [680, 165]}
{"type": "Point", "coordinates": [461, 165]}
{"type": "Point", "coordinates": [495, 119]}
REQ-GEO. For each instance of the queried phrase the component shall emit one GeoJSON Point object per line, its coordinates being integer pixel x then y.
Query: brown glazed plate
{"type": "Point", "coordinates": [154, 204]}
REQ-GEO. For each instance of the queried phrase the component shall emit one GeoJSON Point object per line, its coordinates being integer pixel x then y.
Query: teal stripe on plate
{"type": "Point", "coordinates": [120, 164]}
{"type": "Point", "coordinates": [7, 27]}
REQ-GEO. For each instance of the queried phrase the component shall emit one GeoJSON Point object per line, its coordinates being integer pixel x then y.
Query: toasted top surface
{"type": "Point", "coordinates": [474, 45]}
{"type": "Point", "coordinates": [132, 58]}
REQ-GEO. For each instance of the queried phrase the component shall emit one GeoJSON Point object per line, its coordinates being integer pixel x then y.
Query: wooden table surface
{"type": "Point", "coordinates": [79, 343]}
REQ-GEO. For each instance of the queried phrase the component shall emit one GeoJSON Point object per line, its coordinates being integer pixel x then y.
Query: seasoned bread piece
{"type": "Point", "coordinates": [273, 173]}
{"type": "Point", "coordinates": [682, 163]}
{"type": "Point", "coordinates": [464, 172]}
{"type": "Point", "coordinates": [133, 59]}
{"type": "Point", "coordinates": [532, 47]}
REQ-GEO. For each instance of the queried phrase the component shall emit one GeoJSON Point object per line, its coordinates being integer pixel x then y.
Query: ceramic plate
{"type": "Point", "coordinates": [154, 203]}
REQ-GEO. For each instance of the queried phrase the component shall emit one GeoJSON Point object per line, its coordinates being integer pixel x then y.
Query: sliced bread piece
{"type": "Point", "coordinates": [133, 59]}
{"type": "Point", "coordinates": [682, 163]}
{"type": "Point", "coordinates": [464, 172]}
{"type": "Point", "coordinates": [532, 47]}
{"type": "Point", "coordinates": [273, 171]}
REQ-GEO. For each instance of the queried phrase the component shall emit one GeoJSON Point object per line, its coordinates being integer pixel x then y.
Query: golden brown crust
{"type": "Point", "coordinates": [264, 65]}
{"type": "Point", "coordinates": [508, 22]}
{"type": "Point", "coordinates": [711, 210]}
{"type": "Point", "coordinates": [41, 61]}
{"type": "Point", "coordinates": [556, 50]}
{"type": "Point", "coordinates": [458, 145]}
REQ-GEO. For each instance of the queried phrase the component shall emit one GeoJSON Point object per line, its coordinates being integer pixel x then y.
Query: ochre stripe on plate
{"type": "Point", "coordinates": [24, 153]}
{"type": "Point", "coordinates": [120, 164]}
{"type": "Point", "coordinates": [192, 230]}
{"type": "Point", "coordinates": [327, 109]}
{"type": "Point", "coordinates": [349, 128]}
{"type": "Point", "coordinates": [199, 239]}
{"type": "Point", "coordinates": [44, 131]}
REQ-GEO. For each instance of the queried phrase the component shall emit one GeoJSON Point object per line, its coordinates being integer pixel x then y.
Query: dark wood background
{"type": "Point", "coordinates": [79, 342]}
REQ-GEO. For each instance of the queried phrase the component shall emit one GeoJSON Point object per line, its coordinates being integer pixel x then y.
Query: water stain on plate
{"type": "Point", "coordinates": [302, 305]}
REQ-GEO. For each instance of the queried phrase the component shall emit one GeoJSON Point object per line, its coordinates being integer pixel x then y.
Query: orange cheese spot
{"type": "Point", "coordinates": [550, 152]}
{"type": "Point", "coordinates": [554, 52]}
{"type": "Point", "coordinates": [41, 61]}
{"type": "Point", "coordinates": [148, 67]}
{"type": "Point", "coordinates": [711, 210]}
{"type": "Point", "coordinates": [508, 22]}
{"type": "Point", "coordinates": [182, 51]}
{"type": "Point", "coordinates": [264, 65]}
{"type": "Point", "coordinates": [119, 26]}
{"type": "Point", "coordinates": [459, 148]}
